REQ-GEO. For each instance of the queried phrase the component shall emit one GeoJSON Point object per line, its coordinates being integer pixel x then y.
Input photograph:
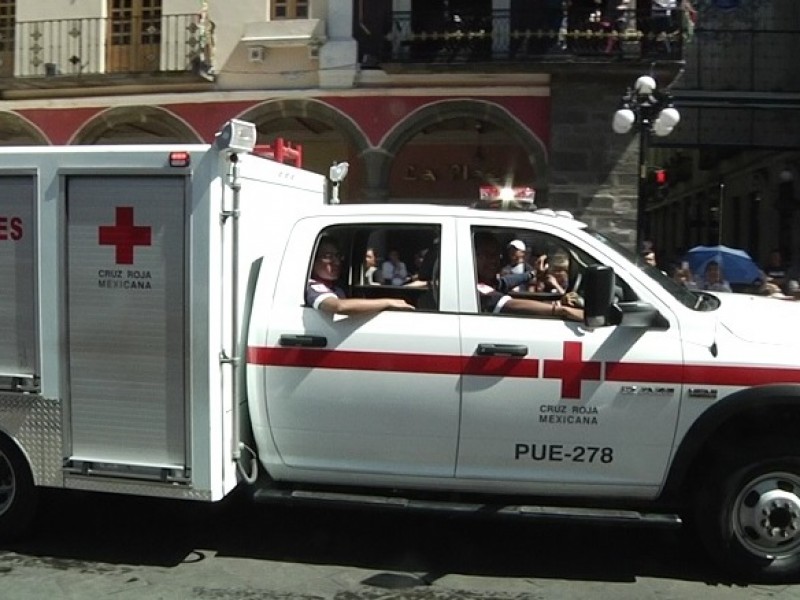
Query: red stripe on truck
{"type": "Point", "coordinates": [500, 366]}
{"type": "Point", "coordinates": [439, 364]}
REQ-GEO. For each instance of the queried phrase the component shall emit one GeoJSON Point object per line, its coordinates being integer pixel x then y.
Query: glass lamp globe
{"type": "Point", "coordinates": [623, 120]}
{"type": "Point", "coordinates": [645, 85]}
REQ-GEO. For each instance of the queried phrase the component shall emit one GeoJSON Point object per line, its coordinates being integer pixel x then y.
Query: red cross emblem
{"type": "Point", "coordinates": [124, 235]}
{"type": "Point", "coordinates": [572, 370]}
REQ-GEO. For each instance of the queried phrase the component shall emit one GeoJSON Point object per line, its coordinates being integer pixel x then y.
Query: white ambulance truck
{"type": "Point", "coordinates": [155, 340]}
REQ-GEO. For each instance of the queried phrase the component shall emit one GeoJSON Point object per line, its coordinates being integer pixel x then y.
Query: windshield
{"type": "Point", "coordinates": [696, 300]}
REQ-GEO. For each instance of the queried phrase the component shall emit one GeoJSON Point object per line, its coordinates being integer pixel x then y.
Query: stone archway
{"type": "Point", "coordinates": [326, 134]}
{"type": "Point", "coordinates": [487, 144]}
{"type": "Point", "coordinates": [136, 125]}
{"type": "Point", "coordinates": [16, 131]}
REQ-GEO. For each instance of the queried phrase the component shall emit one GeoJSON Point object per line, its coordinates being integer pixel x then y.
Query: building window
{"type": "Point", "coordinates": [7, 21]}
{"type": "Point", "coordinates": [290, 9]}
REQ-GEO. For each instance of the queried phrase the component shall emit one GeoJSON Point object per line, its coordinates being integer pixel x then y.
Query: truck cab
{"type": "Point", "coordinates": [633, 406]}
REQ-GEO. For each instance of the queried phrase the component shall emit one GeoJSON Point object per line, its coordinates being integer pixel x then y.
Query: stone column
{"type": "Point", "coordinates": [593, 171]}
{"type": "Point", "coordinates": [377, 166]}
{"type": "Point", "coordinates": [401, 28]}
{"type": "Point", "coordinates": [501, 28]}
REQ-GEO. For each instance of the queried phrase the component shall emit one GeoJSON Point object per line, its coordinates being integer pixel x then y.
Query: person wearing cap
{"type": "Point", "coordinates": [515, 251]}
{"type": "Point", "coordinates": [492, 289]}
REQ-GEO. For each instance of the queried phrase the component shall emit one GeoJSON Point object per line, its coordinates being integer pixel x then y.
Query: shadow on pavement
{"type": "Point", "coordinates": [78, 529]}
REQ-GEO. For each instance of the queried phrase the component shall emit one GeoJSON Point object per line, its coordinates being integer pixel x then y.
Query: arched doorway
{"type": "Point", "coordinates": [136, 125]}
{"type": "Point", "coordinates": [325, 134]}
{"type": "Point", "coordinates": [445, 151]}
{"type": "Point", "coordinates": [16, 131]}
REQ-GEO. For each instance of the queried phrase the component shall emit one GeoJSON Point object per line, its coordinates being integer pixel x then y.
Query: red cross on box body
{"type": "Point", "coordinates": [124, 235]}
{"type": "Point", "coordinates": [572, 370]}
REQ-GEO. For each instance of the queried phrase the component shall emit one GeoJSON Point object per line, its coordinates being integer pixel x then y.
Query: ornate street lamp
{"type": "Point", "coordinates": [648, 110]}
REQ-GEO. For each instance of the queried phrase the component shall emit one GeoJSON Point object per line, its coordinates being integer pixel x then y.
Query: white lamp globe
{"type": "Point", "coordinates": [645, 85]}
{"type": "Point", "coordinates": [661, 129]}
{"type": "Point", "coordinates": [670, 116]}
{"type": "Point", "coordinates": [623, 120]}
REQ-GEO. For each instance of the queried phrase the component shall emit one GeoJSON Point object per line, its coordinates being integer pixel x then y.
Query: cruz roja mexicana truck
{"type": "Point", "coordinates": [155, 340]}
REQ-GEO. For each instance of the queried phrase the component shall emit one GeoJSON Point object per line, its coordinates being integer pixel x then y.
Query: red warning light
{"type": "Point", "coordinates": [661, 176]}
{"type": "Point", "coordinates": [179, 159]}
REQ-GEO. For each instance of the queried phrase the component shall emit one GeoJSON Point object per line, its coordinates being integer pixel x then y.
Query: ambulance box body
{"type": "Point", "coordinates": [121, 299]}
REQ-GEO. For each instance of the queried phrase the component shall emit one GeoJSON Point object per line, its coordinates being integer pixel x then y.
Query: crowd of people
{"type": "Point", "coordinates": [776, 278]}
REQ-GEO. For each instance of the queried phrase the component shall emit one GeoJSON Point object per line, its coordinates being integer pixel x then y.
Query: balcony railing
{"type": "Point", "coordinates": [498, 36]}
{"type": "Point", "coordinates": [78, 47]}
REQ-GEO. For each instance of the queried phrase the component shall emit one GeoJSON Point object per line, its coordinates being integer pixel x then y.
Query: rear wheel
{"type": "Point", "coordinates": [748, 514]}
{"type": "Point", "coordinates": [17, 492]}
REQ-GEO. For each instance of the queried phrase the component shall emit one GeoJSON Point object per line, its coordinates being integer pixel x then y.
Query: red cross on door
{"type": "Point", "coordinates": [124, 235]}
{"type": "Point", "coordinates": [572, 370]}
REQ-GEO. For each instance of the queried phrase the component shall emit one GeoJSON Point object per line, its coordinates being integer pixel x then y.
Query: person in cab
{"type": "Point", "coordinates": [490, 286]}
{"type": "Point", "coordinates": [324, 293]}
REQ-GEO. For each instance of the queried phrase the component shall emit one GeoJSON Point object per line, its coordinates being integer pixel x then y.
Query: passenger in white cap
{"type": "Point", "coordinates": [517, 264]}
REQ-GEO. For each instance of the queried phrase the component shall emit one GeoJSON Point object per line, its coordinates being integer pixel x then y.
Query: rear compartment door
{"type": "Point", "coordinates": [18, 349]}
{"type": "Point", "coordinates": [126, 320]}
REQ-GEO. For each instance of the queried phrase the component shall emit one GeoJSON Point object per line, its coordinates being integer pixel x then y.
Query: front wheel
{"type": "Point", "coordinates": [17, 492]}
{"type": "Point", "coordinates": [748, 515]}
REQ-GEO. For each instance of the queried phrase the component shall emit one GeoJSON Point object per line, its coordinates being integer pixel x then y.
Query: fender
{"type": "Point", "coordinates": [713, 420]}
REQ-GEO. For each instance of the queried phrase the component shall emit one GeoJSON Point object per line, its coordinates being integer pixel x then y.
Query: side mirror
{"type": "Point", "coordinates": [598, 295]}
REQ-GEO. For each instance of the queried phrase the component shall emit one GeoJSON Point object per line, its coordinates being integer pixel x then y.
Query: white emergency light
{"type": "Point", "coordinates": [236, 136]}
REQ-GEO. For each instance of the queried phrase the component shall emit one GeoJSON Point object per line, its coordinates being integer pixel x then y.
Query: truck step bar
{"type": "Point", "coordinates": [612, 516]}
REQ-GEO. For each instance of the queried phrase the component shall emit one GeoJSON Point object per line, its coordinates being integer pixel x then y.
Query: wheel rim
{"type": "Point", "coordinates": [7, 483]}
{"type": "Point", "coordinates": [766, 515]}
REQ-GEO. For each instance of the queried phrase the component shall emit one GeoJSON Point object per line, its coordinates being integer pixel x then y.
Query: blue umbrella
{"type": "Point", "coordinates": [737, 266]}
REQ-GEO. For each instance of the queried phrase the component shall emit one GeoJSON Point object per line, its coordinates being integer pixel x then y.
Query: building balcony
{"type": "Point", "coordinates": [501, 36]}
{"type": "Point", "coordinates": [67, 49]}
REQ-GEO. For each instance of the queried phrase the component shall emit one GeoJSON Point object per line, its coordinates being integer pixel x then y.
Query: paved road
{"type": "Point", "coordinates": [101, 546]}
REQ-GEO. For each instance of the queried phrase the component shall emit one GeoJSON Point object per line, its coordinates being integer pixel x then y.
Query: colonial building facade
{"type": "Point", "coordinates": [427, 100]}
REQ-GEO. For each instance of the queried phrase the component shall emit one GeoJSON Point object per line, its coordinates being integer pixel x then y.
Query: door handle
{"type": "Point", "coordinates": [303, 341]}
{"type": "Point", "coordinates": [502, 350]}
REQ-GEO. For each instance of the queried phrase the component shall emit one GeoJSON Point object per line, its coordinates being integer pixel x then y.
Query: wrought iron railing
{"type": "Point", "coordinates": [498, 36]}
{"type": "Point", "coordinates": [73, 47]}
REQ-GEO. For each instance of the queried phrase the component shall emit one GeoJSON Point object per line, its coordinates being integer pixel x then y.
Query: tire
{"type": "Point", "coordinates": [748, 515]}
{"type": "Point", "coordinates": [17, 493]}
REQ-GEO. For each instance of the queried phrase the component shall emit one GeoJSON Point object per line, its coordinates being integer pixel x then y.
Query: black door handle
{"type": "Point", "coordinates": [502, 350]}
{"type": "Point", "coordinates": [303, 341]}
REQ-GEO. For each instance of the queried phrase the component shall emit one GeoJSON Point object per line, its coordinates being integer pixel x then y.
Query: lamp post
{"type": "Point", "coordinates": [648, 110]}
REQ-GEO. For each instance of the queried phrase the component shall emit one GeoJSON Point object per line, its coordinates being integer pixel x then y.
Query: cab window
{"type": "Point", "coordinates": [555, 268]}
{"type": "Point", "coordinates": [386, 260]}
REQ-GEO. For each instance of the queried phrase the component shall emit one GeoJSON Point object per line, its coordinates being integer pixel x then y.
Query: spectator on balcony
{"type": "Point", "coordinates": [664, 23]}
{"type": "Point", "coordinates": [614, 22]}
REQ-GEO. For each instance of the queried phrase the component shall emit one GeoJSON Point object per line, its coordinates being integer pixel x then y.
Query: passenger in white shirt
{"type": "Point", "coordinates": [394, 270]}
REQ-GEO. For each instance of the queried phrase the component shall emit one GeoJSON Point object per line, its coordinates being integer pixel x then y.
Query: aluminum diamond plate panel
{"type": "Point", "coordinates": [35, 423]}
